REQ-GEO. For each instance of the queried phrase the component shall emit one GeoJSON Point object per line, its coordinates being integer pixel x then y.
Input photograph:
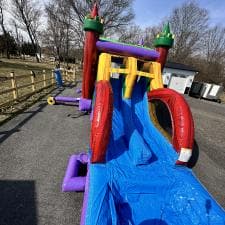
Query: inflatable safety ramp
{"type": "Point", "coordinates": [132, 175]}
{"type": "Point", "coordinates": [136, 166]}
{"type": "Point", "coordinates": [138, 182]}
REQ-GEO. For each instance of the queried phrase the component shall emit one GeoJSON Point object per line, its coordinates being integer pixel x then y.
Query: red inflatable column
{"type": "Point", "coordinates": [163, 42]}
{"type": "Point", "coordinates": [182, 121]}
{"type": "Point", "coordinates": [102, 121]}
{"type": "Point", "coordinates": [93, 27]}
{"type": "Point", "coordinates": [163, 51]}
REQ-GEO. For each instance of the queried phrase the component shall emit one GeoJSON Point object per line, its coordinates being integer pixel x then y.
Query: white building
{"type": "Point", "coordinates": [178, 76]}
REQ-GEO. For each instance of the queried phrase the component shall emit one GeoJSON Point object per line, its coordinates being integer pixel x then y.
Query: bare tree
{"type": "Point", "coordinates": [189, 24]}
{"type": "Point", "coordinates": [214, 54]}
{"type": "Point", "coordinates": [65, 22]}
{"type": "Point", "coordinates": [214, 44]}
{"type": "Point", "coordinates": [28, 14]}
{"type": "Point", "coordinates": [16, 32]}
{"type": "Point", "coordinates": [150, 34]}
{"type": "Point", "coordinates": [135, 34]}
{"type": "Point", "coordinates": [132, 35]}
{"type": "Point", "coordinates": [5, 33]}
{"type": "Point", "coordinates": [59, 32]}
{"type": "Point", "coordinates": [117, 14]}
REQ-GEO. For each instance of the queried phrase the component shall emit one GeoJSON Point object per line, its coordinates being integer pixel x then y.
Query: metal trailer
{"type": "Point", "coordinates": [196, 89]}
{"type": "Point", "coordinates": [212, 92]}
{"type": "Point", "coordinates": [206, 91]}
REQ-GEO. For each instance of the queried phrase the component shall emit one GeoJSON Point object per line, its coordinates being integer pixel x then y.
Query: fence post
{"type": "Point", "coordinates": [53, 77]}
{"type": "Point", "coordinates": [14, 85]}
{"type": "Point", "coordinates": [32, 80]}
{"type": "Point", "coordinates": [44, 78]}
{"type": "Point", "coordinates": [74, 75]}
{"type": "Point", "coordinates": [65, 74]}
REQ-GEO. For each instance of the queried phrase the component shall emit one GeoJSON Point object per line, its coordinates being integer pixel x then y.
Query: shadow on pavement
{"type": "Point", "coordinates": [5, 134]}
{"type": "Point", "coordinates": [8, 133]}
{"type": "Point", "coordinates": [18, 203]}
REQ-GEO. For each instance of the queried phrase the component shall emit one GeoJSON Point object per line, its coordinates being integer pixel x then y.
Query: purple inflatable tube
{"type": "Point", "coordinates": [127, 50]}
{"type": "Point", "coordinates": [59, 99]}
{"type": "Point", "coordinates": [85, 104]}
{"type": "Point", "coordinates": [72, 181]}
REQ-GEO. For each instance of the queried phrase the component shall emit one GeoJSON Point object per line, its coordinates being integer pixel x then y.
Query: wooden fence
{"type": "Point", "coordinates": [16, 88]}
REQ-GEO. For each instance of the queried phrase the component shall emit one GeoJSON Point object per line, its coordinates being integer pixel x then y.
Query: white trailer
{"type": "Point", "coordinates": [212, 92]}
{"type": "Point", "coordinates": [178, 77]}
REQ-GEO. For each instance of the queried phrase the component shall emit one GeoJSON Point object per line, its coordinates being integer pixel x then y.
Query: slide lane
{"type": "Point", "coordinates": [140, 183]}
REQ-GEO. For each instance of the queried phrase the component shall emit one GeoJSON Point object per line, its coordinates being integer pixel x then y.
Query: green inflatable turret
{"type": "Point", "coordinates": [163, 42]}
{"type": "Point", "coordinates": [165, 38]}
{"type": "Point", "coordinates": [93, 24]}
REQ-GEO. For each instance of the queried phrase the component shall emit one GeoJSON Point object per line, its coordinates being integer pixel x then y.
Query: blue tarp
{"type": "Point", "coordinates": [140, 183]}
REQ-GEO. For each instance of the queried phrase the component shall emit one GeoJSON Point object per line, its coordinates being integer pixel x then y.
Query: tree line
{"type": "Point", "coordinates": [197, 43]}
{"type": "Point", "coordinates": [63, 35]}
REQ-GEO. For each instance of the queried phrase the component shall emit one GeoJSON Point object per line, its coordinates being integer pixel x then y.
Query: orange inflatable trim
{"type": "Point", "coordinates": [102, 121]}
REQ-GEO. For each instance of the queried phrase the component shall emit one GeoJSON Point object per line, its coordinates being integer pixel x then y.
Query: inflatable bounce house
{"type": "Point", "coordinates": [136, 170]}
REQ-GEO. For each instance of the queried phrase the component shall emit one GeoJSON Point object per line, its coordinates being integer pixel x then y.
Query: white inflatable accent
{"type": "Point", "coordinates": [185, 154]}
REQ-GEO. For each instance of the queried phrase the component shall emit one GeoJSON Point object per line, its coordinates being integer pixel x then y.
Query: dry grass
{"type": "Point", "coordinates": [21, 67]}
{"type": "Point", "coordinates": [10, 111]}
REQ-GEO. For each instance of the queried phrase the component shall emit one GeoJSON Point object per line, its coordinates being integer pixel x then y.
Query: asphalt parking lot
{"type": "Point", "coordinates": [209, 118]}
{"type": "Point", "coordinates": [34, 150]}
{"type": "Point", "coordinates": [35, 147]}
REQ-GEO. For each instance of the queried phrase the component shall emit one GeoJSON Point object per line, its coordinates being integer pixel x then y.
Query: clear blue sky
{"type": "Point", "coordinates": [151, 12]}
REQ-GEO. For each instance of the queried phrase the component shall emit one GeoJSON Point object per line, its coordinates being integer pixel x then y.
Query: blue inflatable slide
{"type": "Point", "coordinates": [140, 184]}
